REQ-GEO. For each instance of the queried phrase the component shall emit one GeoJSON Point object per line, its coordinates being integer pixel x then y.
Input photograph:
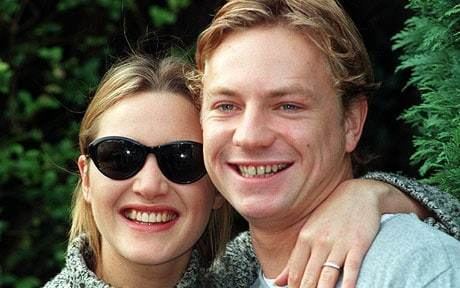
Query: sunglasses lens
{"type": "Point", "coordinates": [182, 162]}
{"type": "Point", "coordinates": [117, 158]}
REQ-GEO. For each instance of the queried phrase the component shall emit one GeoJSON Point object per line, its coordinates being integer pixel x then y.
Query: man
{"type": "Point", "coordinates": [285, 86]}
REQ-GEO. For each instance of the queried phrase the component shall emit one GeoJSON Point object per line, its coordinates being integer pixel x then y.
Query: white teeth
{"type": "Point", "coordinates": [251, 170]}
{"type": "Point", "coordinates": [145, 217]}
{"type": "Point", "coordinates": [151, 217]}
{"type": "Point", "coordinates": [268, 169]}
{"type": "Point", "coordinates": [261, 170]}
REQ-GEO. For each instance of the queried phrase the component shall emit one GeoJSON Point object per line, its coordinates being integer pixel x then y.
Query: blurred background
{"type": "Point", "coordinates": [52, 55]}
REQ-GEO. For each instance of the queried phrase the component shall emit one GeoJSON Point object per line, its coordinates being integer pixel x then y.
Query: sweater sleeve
{"type": "Point", "coordinates": [444, 206]}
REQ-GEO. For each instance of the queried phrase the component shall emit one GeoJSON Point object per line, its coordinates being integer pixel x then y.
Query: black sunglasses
{"type": "Point", "coordinates": [120, 158]}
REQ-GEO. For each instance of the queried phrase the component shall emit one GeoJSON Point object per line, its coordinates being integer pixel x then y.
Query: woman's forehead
{"type": "Point", "coordinates": [152, 118]}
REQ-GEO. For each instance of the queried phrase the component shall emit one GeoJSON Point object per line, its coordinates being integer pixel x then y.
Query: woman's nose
{"type": "Point", "coordinates": [149, 182]}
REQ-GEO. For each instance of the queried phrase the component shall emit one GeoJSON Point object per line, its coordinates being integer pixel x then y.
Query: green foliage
{"type": "Point", "coordinates": [431, 49]}
{"type": "Point", "coordinates": [51, 57]}
{"type": "Point", "coordinates": [162, 16]}
{"type": "Point", "coordinates": [5, 77]}
{"type": "Point", "coordinates": [8, 9]}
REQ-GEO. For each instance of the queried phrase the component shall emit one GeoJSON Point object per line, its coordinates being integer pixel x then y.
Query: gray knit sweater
{"type": "Point", "coordinates": [238, 266]}
{"type": "Point", "coordinates": [78, 274]}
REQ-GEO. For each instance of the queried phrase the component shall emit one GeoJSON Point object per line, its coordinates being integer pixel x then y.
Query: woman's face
{"type": "Point", "coordinates": [147, 219]}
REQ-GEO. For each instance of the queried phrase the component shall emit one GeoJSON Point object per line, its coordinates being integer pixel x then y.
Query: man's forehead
{"type": "Point", "coordinates": [305, 33]}
{"type": "Point", "coordinates": [256, 43]}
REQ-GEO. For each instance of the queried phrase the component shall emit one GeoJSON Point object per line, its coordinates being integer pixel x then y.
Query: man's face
{"type": "Point", "coordinates": [276, 138]}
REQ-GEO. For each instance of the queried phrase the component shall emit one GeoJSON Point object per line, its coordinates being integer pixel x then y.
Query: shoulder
{"type": "Point", "coordinates": [76, 272]}
{"type": "Point", "coordinates": [239, 251]}
{"type": "Point", "coordinates": [443, 205]}
{"type": "Point", "coordinates": [63, 279]}
{"type": "Point", "coordinates": [237, 266]}
{"type": "Point", "coordinates": [407, 250]}
{"type": "Point", "coordinates": [406, 233]}
{"type": "Point", "coordinates": [195, 274]}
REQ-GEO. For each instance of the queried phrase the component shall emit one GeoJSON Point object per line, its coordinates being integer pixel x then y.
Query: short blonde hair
{"type": "Point", "coordinates": [323, 21]}
{"type": "Point", "coordinates": [136, 74]}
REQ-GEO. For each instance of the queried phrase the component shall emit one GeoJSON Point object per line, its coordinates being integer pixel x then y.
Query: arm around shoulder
{"type": "Point", "coordinates": [444, 208]}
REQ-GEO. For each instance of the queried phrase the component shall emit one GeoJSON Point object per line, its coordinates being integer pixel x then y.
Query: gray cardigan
{"type": "Point", "coordinates": [239, 256]}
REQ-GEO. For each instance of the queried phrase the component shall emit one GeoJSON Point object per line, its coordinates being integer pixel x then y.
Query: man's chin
{"type": "Point", "coordinates": [257, 210]}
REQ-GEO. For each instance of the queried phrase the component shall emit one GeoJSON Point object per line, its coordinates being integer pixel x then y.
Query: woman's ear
{"type": "Point", "coordinates": [83, 167]}
{"type": "Point", "coordinates": [355, 117]}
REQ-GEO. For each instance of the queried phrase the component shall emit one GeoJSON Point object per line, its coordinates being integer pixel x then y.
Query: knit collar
{"type": "Point", "coordinates": [80, 257]}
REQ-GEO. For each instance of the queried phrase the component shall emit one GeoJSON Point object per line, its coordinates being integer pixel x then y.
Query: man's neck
{"type": "Point", "coordinates": [274, 239]}
{"type": "Point", "coordinates": [273, 247]}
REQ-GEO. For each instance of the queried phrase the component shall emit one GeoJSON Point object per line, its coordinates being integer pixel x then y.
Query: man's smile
{"type": "Point", "coordinates": [251, 171]}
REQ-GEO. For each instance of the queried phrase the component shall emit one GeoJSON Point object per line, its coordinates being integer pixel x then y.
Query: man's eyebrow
{"type": "Point", "coordinates": [295, 89]}
{"type": "Point", "coordinates": [280, 91]}
{"type": "Point", "coordinates": [220, 90]}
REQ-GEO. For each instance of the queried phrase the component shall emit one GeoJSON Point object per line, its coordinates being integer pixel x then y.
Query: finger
{"type": "Point", "coordinates": [352, 266]}
{"type": "Point", "coordinates": [298, 261]}
{"type": "Point", "coordinates": [313, 269]}
{"type": "Point", "coordinates": [331, 268]}
{"type": "Point", "coordinates": [282, 278]}
{"type": "Point", "coordinates": [331, 271]}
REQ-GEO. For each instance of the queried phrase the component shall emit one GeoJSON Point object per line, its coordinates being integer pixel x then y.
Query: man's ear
{"type": "Point", "coordinates": [83, 167]}
{"type": "Point", "coordinates": [355, 117]}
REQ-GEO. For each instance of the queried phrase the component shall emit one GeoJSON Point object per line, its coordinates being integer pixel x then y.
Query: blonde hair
{"type": "Point", "coordinates": [136, 74]}
{"type": "Point", "coordinates": [323, 21]}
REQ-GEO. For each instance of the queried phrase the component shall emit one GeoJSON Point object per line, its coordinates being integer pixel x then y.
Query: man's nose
{"type": "Point", "coordinates": [253, 129]}
{"type": "Point", "coordinates": [149, 182]}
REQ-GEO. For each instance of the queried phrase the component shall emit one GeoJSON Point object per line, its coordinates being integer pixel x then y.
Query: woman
{"type": "Point", "coordinates": [137, 220]}
{"type": "Point", "coordinates": [141, 219]}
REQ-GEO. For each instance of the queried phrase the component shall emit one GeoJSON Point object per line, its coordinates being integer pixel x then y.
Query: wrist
{"type": "Point", "coordinates": [392, 200]}
{"type": "Point", "coordinates": [388, 199]}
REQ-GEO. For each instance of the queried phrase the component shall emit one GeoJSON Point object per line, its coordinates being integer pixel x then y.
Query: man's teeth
{"type": "Point", "coordinates": [261, 170]}
{"type": "Point", "coordinates": [150, 217]}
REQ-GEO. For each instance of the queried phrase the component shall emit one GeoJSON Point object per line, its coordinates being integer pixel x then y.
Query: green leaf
{"type": "Point", "coordinates": [53, 54]}
{"type": "Point", "coordinates": [5, 77]}
{"type": "Point", "coordinates": [65, 5]}
{"type": "Point", "coordinates": [28, 282]}
{"type": "Point", "coordinates": [161, 16]}
{"type": "Point", "coordinates": [176, 5]}
{"type": "Point", "coordinates": [431, 50]}
{"type": "Point", "coordinates": [8, 8]}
